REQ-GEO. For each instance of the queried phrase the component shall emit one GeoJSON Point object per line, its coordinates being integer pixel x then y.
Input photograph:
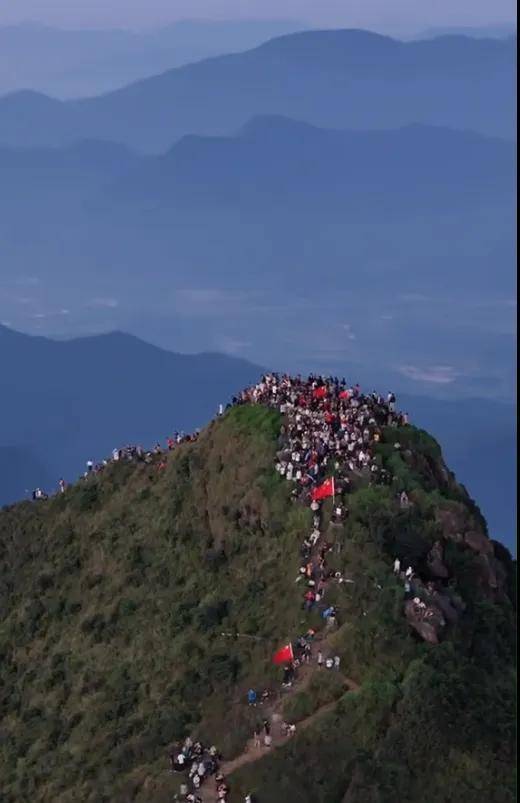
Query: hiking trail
{"type": "Point", "coordinates": [254, 752]}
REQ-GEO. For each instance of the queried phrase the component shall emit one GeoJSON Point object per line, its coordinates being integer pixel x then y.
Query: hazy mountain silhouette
{"type": "Point", "coordinates": [74, 63]}
{"type": "Point", "coordinates": [219, 243]}
{"type": "Point", "coordinates": [339, 79]}
{"type": "Point", "coordinates": [66, 402]}
{"type": "Point", "coordinates": [276, 161]}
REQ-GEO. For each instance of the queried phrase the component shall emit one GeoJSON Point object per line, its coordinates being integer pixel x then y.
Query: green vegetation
{"type": "Point", "coordinates": [115, 597]}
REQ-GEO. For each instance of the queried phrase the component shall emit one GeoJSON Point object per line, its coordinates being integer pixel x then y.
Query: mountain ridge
{"type": "Point", "coordinates": [133, 606]}
{"type": "Point", "coordinates": [218, 95]}
{"type": "Point", "coordinates": [51, 411]}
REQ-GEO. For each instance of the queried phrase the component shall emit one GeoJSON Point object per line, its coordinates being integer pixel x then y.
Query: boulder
{"type": "Point", "coordinates": [427, 621]}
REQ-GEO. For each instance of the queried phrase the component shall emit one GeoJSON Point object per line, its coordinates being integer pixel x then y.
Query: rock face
{"type": "Point", "coordinates": [436, 566]}
{"type": "Point", "coordinates": [427, 620]}
{"type": "Point", "coordinates": [459, 525]}
{"type": "Point", "coordinates": [479, 542]}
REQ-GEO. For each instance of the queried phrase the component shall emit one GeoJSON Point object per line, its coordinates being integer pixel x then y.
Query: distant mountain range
{"type": "Point", "coordinates": [275, 161]}
{"type": "Point", "coordinates": [337, 79]}
{"type": "Point", "coordinates": [76, 63]}
{"type": "Point", "coordinates": [66, 402]}
{"type": "Point", "coordinates": [226, 243]}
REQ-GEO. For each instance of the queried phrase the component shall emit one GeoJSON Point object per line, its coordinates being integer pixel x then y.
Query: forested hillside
{"type": "Point", "coordinates": [115, 596]}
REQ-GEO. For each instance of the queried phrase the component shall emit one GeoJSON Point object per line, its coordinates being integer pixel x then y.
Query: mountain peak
{"type": "Point", "coordinates": [180, 576]}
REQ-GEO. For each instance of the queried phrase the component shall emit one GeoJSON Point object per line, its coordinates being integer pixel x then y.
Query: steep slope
{"type": "Point", "coordinates": [115, 597]}
{"type": "Point", "coordinates": [338, 79]}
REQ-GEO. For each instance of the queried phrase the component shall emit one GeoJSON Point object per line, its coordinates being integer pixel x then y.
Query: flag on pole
{"type": "Point", "coordinates": [284, 656]}
{"type": "Point", "coordinates": [324, 490]}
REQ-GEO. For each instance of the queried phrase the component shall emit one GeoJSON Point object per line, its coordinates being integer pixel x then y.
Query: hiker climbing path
{"type": "Point", "coordinates": [255, 752]}
{"type": "Point", "coordinates": [325, 448]}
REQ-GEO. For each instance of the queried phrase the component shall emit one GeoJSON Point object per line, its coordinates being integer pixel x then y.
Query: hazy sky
{"type": "Point", "coordinates": [378, 14]}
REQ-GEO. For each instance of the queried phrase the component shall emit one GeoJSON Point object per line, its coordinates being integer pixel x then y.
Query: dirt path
{"type": "Point", "coordinates": [254, 753]}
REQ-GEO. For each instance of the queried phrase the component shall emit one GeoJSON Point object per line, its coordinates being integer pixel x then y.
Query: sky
{"type": "Point", "coordinates": [398, 15]}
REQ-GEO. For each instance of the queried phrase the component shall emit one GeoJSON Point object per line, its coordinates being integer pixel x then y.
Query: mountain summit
{"type": "Point", "coordinates": [309, 523]}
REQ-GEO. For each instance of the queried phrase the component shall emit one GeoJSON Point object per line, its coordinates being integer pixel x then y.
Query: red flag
{"type": "Point", "coordinates": [324, 490]}
{"type": "Point", "coordinates": [284, 655]}
{"type": "Point", "coordinates": [344, 394]}
{"type": "Point", "coordinates": [320, 393]}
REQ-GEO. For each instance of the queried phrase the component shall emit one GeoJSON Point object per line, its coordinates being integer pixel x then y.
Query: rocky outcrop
{"type": "Point", "coordinates": [478, 542]}
{"type": "Point", "coordinates": [427, 620]}
{"type": "Point", "coordinates": [436, 566]}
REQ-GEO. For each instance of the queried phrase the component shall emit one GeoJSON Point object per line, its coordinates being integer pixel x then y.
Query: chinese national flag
{"type": "Point", "coordinates": [284, 655]}
{"type": "Point", "coordinates": [320, 393]}
{"type": "Point", "coordinates": [324, 490]}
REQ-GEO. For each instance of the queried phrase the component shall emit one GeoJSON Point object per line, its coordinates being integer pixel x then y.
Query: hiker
{"type": "Point", "coordinates": [329, 663]}
{"type": "Point", "coordinates": [309, 600]}
{"type": "Point", "coordinates": [337, 661]}
{"type": "Point", "coordinates": [267, 727]}
{"type": "Point", "coordinates": [288, 675]}
{"type": "Point", "coordinates": [320, 659]}
{"type": "Point", "coordinates": [397, 566]}
{"type": "Point", "coordinates": [251, 697]}
{"type": "Point", "coordinates": [256, 737]}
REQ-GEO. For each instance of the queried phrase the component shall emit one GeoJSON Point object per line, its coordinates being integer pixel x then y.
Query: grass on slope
{"type": "Point", "coordinates": [115, 595]}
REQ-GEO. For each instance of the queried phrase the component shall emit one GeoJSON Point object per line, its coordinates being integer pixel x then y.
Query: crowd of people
{"type": "Point", "coordinates": [329, 430]}
{"type": "Point", "coordinates": [129, 453]}
{"type": "Point", "coordinates": [329, 427]}
{"type": "Point", "coordinates": [328, 439]}
{"type": "Point", "coordinates": [327, 443]}
{"type": "Point", "coordinates": [198, 764]}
